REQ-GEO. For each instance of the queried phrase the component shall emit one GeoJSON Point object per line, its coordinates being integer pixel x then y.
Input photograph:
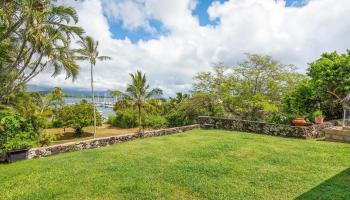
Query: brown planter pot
{"type": "Point", "coordinates": [319, 120]}
{"type": "Point", "coordinates": [299, 122]}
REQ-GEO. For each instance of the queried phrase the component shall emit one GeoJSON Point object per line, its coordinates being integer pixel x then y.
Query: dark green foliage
{"type": "Point", "coordinates": [17, 132]}
{"type": "Point", "coordinates": [301, 101]}
{"type": "Point", "coordinates": [328, 85]}
{"type": "Point", "coordinates": [331, 75]}
{"type": "Point", "coordinates": [177, 119]}
{"type": "Point", "coordinates": [77, 116]}
{"type": "Point", "coordinates": [188, 110]}
{"type": "Point", "coordinates": [126, 118]}
{"type": "Point", "coordinates": [155, 121]}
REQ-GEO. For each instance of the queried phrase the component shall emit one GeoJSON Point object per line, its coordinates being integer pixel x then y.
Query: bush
{"type": "Point", "coordinates": [77, 116]}
{"type": "Point", "coordinates": [46, 138]}
{"type": "Point", "coordinates": [280, 118]}
{"type": "Point", "coordinates": [111, 120]}
{"type": "Point", "coordinates": [126, 119]}
{"type": "Point", "coordinates": [17, 132]}
{"type": "Point", "coordinates": [188, 110]}
{"type": "Point", "coordinates": [178, 118]}
{"type": "Point", "coordinates": [302, 101]}
{"type": "Point", "coordinates": [155, 121]}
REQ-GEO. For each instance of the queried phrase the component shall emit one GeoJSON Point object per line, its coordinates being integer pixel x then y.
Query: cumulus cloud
{"type": "Point", "coordinates": [131, 13]}
{"type": "Point", "coordinates": [293, 35]}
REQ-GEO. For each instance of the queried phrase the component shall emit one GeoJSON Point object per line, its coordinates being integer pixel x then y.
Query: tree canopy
{"type": "Point", "coordinates": [77, 116]}
{"type": "Point", "coordinates": [37, 35]}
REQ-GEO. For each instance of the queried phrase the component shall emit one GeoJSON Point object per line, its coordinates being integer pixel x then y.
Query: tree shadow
{"type": "Point", "coordinates": [337, 187]}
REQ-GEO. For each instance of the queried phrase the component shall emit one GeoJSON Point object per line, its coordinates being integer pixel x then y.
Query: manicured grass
{"type": "Point", "coordinates": [199, 164]}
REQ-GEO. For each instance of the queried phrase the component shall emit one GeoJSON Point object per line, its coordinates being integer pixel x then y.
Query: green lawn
{"type": "Point", "coordinates": [199, 164]}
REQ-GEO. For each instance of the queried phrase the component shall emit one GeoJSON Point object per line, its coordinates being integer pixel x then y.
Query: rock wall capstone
{"type": "Point", "coordinates": [312, 131]}
{"type": "Point", "coordinates": [101, 142]}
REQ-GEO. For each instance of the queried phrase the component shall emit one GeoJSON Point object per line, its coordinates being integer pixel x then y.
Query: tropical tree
{"type": "Point", "coordinates": [331, 74]}
{"type": "Point", "coordinates": [179, 98]}
{"type": "Point", "coordinates": [139, 93]}
{"type": "Point", "coordinates": [36, 35]}
{"type": "Point", "coordinates": [199, 104]}
{"type": "Point", "coordinates": [77, 116]}
{"type": "Point", "coordinates": [253, 89]}
{"type": "Point", "coordinates": [89, 51]}
{"type": "Point", "coordinates": [326, 88]}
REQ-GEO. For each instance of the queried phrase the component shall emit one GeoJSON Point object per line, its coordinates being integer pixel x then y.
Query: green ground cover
{"type": "Point", "coordinates": [199, 164]}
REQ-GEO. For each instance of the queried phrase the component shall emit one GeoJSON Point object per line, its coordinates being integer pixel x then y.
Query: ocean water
{"type": "Point", "coordinates": [105, 112]}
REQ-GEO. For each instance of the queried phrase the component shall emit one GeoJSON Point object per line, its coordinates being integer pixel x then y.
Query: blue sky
{"type": "Point", "coordinates": [200, 11]}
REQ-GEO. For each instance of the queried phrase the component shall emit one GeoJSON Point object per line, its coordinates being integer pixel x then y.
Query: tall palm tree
{"type": "Point", "coordinates": [89, 52]}
{"type": "Point", "coordinates": [139, 92]}
{"type": "Point", "coordinates": [36, 35]}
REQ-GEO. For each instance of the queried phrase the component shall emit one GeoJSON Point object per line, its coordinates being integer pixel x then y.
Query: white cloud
{"type": "Point", "coordinates": [132, 14]}
{"type": "Point", "coordinates": [292, 35]}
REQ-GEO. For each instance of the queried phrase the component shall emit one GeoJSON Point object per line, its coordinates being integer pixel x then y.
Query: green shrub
{"type": "Point", "coordinates": [188, 110]}
{"type": "Point", "coordinates": [155, 121]}
{"type": "Point", "coordinates": [280, 118]}
{"type": "Point", "coordinates": [17, 132]}
{"type": "Point", "coordinates": [77, 116]}
{"type": "Point", "coordinates": [111, 120]}
{"type": "Point", "coordinates": [301, 101]}
{"type": "Point", "coordinates": [177, 118]}
{"type": "Point", "coordinates": [126, 119]}
{"type": "Point", "coordinates": [47, 138]}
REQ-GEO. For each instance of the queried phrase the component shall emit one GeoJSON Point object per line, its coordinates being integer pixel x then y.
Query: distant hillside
{"type": "Point", "coordinates": [75, 92]}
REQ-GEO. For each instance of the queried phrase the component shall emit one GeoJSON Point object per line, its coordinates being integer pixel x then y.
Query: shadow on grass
{"type": "Point", "coordinates": [337, 187]}
{"type": "Point", "coordinates": [72, 135]}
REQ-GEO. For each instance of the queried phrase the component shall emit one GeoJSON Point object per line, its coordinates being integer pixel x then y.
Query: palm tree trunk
{"type": "Point", "coordinates": [93, 99]}
{"type": "Point", "coordinates": [140, 121]}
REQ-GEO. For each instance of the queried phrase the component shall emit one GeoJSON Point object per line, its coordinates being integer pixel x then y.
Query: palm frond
{"type": "Point", "coordinates": [104, 58]}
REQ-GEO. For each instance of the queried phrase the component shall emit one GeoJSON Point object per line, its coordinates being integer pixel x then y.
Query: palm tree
{"type": "Point", "coordinates": [88, 51]}
{"type": "Point", "coordinates": [37, 36]}
{"type": "Point", "coordinates": [139, 92]}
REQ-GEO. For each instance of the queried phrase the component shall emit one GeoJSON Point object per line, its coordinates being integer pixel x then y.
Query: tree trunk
{"type": "Point", "coordinates": [140, 121]}
{"type": "Point", "coordinates": [93, 99]}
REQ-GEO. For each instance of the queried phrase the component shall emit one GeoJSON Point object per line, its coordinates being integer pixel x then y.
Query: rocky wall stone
{"type": "Point", "coordinates": [337, 134]}
{"type": "Point", "coordinates": [312, 131]}
{"type": "Point", "coordinates": [101, 142]}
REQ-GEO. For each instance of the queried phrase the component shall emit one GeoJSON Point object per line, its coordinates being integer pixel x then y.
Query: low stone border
{"type": "Point", "coordinates": [101, 142]}
{"type": "Point", "coordinates": [337, 134]}
{"type": "Point", "coordinates": [313, 131]}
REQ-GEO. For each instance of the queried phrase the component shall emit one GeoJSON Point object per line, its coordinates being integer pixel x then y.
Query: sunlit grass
{"type": "Point", "coordinates": [199, 164]}
{"type": "Point", "coordinates": [68, 135]}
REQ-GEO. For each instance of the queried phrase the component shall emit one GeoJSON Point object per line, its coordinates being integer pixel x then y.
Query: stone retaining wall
{"type": "Point", "coordinates": [337, 134]}
{"type": "Point", "coordinates": [313, 131]}
{"type": "Point", "coordinates": [101, 142]}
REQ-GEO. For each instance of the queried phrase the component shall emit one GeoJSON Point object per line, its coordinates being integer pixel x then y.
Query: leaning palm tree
{"type": "Point", "coordinates": [35, 35]}
{"type": "Point", "coordinates": [88, 51]}
{"type": "Point", "coordinates": [139, 92]}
